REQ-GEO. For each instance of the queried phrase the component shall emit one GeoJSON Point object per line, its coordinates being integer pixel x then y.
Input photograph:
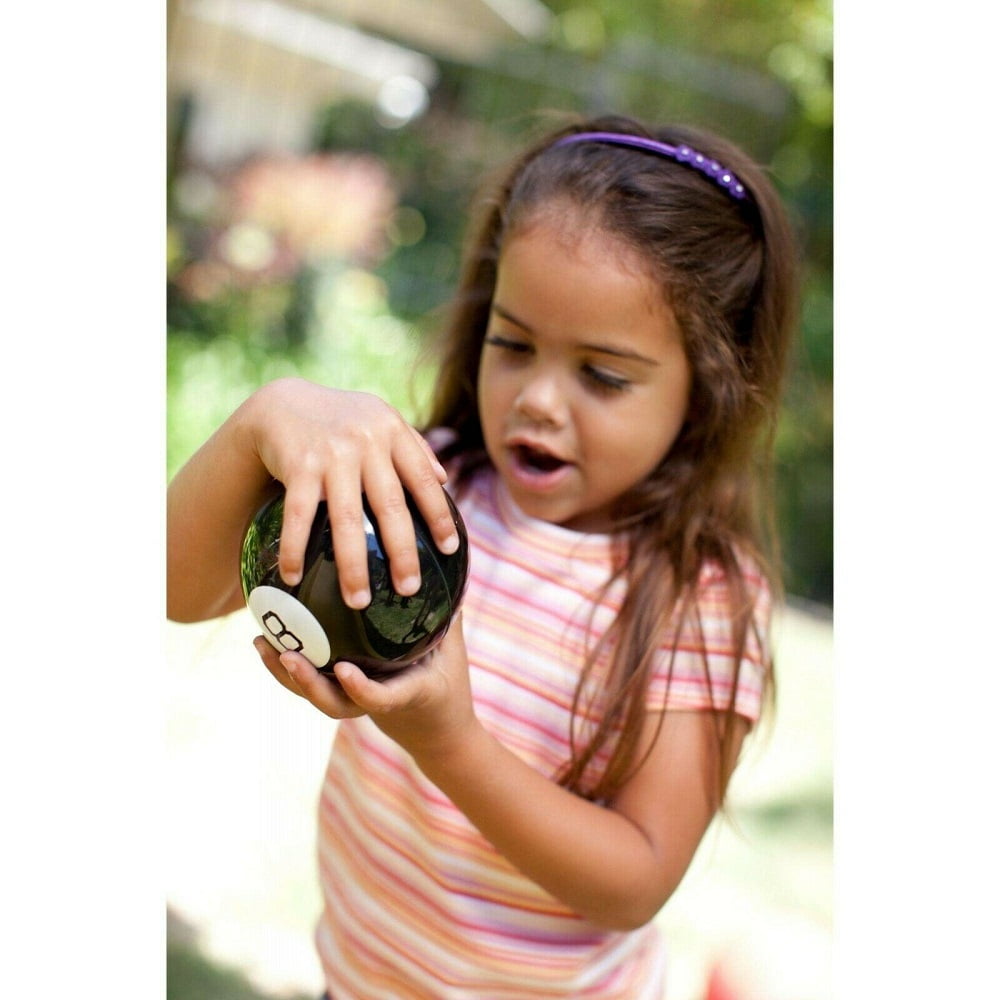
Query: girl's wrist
{"type": "Point", "coordinates": [249, 418]}
{"type": "Point", "coordinates": [450, 754]}
{"type": "Point", "coordinates": [249, 423]}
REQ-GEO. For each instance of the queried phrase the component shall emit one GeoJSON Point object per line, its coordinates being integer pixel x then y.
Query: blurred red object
{"type": "Point", "coordinates": [782, 958]}
{"type": "Point", "coordinates": [719, 987]}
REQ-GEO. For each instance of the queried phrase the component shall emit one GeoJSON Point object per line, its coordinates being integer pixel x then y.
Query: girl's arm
{"type": "Point", "coordinates": [209, 504]}
{"type": "Point", "coordinates": [615, 866]}
{"type": "Point", "coordinates": [322, 444]}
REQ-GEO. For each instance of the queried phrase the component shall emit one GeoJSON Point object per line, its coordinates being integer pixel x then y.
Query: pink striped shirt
{"type": "Point", "coordinates": [417, 904]}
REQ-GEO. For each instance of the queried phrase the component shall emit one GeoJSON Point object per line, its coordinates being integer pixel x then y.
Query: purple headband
{"type": "Point", "coordinates": [682, 154]}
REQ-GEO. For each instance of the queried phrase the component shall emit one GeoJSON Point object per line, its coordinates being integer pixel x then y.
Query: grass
{"type": "Point", "coordinates": [192, 975]}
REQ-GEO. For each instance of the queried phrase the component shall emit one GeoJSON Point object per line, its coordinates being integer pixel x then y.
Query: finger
{"type": "Point", "coordinates": [387, 501]}
{"type": "Point", "coordinates": [421, 480]}
{"type": "Point", "coordinates": [347, 532]}
{"type": "Point", "coordinates": [269, 656]}
{"type": "Point", "coordinates": [439, 470]}
{"type": "Point", "coordinates": [301, 501]}
{"type": "Point", "coordinates": [317, 689]}
{"type": "Point", "coordinates": [370, 696]}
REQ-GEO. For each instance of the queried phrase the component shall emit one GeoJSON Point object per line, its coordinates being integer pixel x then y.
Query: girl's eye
{"type": "Point", "coordinates": [604, 381]}
{"type": "Point", "coordinates": [506, 344]}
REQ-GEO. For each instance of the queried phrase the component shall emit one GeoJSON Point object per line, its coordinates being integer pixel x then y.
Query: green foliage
{"type": "Point", "coordinates": [193, 976]}
{"type": "Point", "coordinates": [354, 341]}
{"type": "Point", "coordinates": [804, 452]}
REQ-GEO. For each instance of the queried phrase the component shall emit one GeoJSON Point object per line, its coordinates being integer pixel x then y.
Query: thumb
{"type": "Point", "coordinates": [370, 695]}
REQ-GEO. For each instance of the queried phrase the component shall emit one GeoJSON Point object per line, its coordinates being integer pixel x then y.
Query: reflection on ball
{"type": "Point", "coordinates": [312, 618]}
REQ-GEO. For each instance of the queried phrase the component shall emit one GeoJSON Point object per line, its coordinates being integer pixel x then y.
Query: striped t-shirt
{"type": "Point", "coordinates": [417, 904]}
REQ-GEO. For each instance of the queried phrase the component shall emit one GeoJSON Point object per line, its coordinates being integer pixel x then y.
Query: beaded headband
{"type": "Point", "coordinates": [682, 154]}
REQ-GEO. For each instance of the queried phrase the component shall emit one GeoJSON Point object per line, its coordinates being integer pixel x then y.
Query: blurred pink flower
{"type": "Point", "coordinates": [278, 213]}
{"type": "Point", "coordinates": [319, 205]}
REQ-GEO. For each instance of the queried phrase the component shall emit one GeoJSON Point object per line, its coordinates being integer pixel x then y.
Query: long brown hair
{"type": "Point", "coordinates": [728, 271]}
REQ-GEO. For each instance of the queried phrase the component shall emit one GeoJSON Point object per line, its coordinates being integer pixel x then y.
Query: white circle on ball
{"type": "Point", "coordinates": [288, 624]}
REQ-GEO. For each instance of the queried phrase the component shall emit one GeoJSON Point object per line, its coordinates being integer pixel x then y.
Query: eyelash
{"type": "Point", "coordinates": [598, 380]}
{"type": "Point", "coordinates": [517, 346]}
{"type": "Point", "coordinates": [604, 382]}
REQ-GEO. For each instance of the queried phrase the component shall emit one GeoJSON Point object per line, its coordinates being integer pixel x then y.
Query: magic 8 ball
{"type": "Point", "coordinates": [312, 618]}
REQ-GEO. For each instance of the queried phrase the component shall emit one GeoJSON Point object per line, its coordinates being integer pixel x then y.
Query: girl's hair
{"type": "Point", "coordinates": [728, 271]}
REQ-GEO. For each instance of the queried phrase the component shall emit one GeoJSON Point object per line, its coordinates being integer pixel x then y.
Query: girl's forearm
{"type": "Point", "coordinates": [209, 504]}
{"type": "Point", "coordinates": [595, 860]}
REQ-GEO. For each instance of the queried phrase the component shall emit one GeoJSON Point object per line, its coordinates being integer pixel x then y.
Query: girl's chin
{"type": "Point", "coordinates": [548, 506]}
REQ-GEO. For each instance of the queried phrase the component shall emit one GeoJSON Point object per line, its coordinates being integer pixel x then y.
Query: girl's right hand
{"type": "Point", "coordinates": [334, 445]}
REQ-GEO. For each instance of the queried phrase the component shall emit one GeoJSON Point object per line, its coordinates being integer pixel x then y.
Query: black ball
{"type": "Point", "coordinates": [312, 618]}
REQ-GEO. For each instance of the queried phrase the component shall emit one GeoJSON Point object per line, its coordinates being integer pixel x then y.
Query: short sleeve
{"type": "Point", "coordinates": [702, 672]}
{"type": "Point", "coordinates": [439, 438]}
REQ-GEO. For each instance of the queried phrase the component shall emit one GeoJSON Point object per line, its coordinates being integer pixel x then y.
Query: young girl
{"type": "Point", "coordinates": [504, 818]}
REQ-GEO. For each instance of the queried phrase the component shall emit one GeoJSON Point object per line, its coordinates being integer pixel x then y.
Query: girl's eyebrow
{"type": "Point", "coordinates": [615, 351]}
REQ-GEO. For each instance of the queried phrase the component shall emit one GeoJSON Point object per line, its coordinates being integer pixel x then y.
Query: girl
{"type": "Point", "coordinates": [505, 818]}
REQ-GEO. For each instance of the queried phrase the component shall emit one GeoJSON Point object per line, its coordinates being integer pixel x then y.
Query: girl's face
{"type": "Point", "coordinates": [583, 381]}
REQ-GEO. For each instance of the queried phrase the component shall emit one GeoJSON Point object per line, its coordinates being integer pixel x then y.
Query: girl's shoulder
{"type": "Point", "coordinates": [717, 648]}
{"type": "Point", "coordinates": [748, 567]}
{"type": "Point", "coordinates": [724, 592]}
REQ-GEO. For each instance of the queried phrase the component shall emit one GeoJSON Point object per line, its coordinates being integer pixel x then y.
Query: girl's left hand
{"type": "Point", "coordinates": [426, 706]}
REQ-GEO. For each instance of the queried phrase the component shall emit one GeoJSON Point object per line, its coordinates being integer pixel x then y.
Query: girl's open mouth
{"type": "Point", "coordinates": [534, 460]}
{"type": "Point", "coordinates": [537, 469]}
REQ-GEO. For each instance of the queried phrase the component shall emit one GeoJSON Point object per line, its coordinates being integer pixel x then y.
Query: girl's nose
{"type": "Point", "coordinates": [541, 402]}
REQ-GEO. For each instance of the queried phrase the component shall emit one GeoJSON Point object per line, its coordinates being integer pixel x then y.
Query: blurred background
{"type": "Point", "coordinates": [321, 155]}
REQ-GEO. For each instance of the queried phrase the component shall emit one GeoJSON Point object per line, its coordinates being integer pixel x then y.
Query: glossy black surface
{"type": "Point", "coordinates": [393, 631]}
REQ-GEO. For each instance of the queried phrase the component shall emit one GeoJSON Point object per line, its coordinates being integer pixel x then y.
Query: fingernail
{"type": "Point", "coordinates": [343, 670]}
{"type": "Point", "coordinates": [359, 599]}
{"type": "Point", "coordinates": [449, 545]}
{"type": "Point", "coordinates": [409, 585]}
